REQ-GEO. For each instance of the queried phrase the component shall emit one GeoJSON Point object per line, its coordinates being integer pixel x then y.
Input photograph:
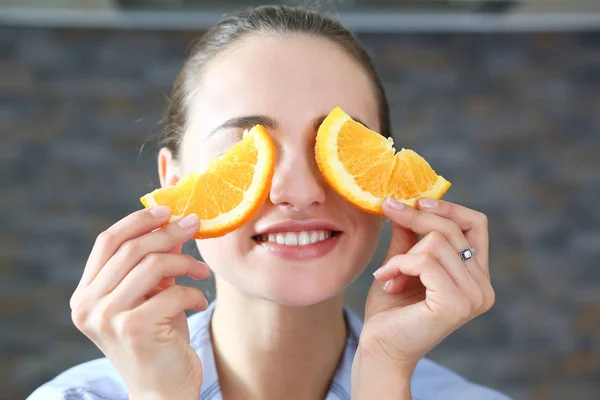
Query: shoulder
{"type": "Point", "coordinates": [433, 381]}
{"type": "Point", "coordinates": [93, 380]}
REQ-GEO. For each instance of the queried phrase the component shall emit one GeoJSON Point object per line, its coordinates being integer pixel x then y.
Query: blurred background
{"type": "Point", "coordinates": [502, 97]}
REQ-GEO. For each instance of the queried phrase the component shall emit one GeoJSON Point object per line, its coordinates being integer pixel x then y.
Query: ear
{"type": "Point", "coordinates": [168, 168]}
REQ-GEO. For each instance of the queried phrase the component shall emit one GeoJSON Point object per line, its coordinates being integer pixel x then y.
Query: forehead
{"type": "Point", "coordinates": [291, 78]}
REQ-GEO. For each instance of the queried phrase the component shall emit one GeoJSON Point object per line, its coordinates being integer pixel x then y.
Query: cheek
{"type": "Point", "coordinates": [219, 253]}
{"type": "Point", "coordinates": [365, 237]}
{"type": "Point", "coordinates": [365, 224]}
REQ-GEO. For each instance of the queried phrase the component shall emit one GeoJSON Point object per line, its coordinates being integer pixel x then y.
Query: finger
{"type": "Point", "coordinates": [396, 284]}
{"type": "Point", "coordinates": [423, 222]}
{"type": "Point", "coordinates": [473, 223]}
{"type": "Point", "coordinates": [177, 249]}
{"type": "Point", "coordinates": [467, 276]}
{"type": "Point", "coordinates": [166, 282]}
{"type": "Point", "coordinates": [440, 289]}
{"type": "Point", "coordinates": [416, 265]}
{"type": "Point", "coordinates": [402, 239]}
{"type": "Point", "coordinates": [389, 269]}
{"type": "Point", "coordinates": [154, 269]}
{"type": "Point", "coordinates": [394, 280]}
{"type": "Point", "coordinates": [109, 241]}
{"type": "Point", "coordinates": [435, 244]}
{"type": "Point", "coordinates": [171, 302]}
{"type": "Point", "coordinates": [162, 285]}
{"type": "Point", "coordinates": [132, 252]}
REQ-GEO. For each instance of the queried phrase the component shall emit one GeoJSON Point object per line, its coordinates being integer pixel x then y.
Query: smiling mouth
{"type": "Point", "coordinates": [301, 238]}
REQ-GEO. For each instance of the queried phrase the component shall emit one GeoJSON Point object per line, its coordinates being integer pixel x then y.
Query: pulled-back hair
{"type": "Point", "coordinates": [270, 20]}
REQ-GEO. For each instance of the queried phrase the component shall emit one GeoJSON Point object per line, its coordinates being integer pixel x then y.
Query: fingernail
{"type": "Point", "coordinates": [395, 204]}
{"type": "Point", "coordinates": [379, 271]}
{"type": "Point", "coordinates": [386, 286]}
{"type": "Point", "coordinates": [188, 222]}
{"type": "Point", "coordinates": [160, 211]}
{"type": "Point", "coordinates": [428, 203]}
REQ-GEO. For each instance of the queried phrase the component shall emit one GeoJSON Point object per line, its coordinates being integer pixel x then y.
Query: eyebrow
{"type": "Point", "coordinates": [318, 121]}
{"type": "Point", "coordinates": [249, 121]}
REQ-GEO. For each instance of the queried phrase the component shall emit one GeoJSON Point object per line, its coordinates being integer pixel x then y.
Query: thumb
{"type": "Point", "coordinates": [402, 238]}
{"type": "Point", "coordinates": [378, 299]}
{"type": "Point", "coordinates": [401, 241]}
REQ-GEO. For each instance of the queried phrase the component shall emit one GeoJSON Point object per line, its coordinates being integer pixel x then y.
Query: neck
{"type": "Point", "coordinates": [264, 350]}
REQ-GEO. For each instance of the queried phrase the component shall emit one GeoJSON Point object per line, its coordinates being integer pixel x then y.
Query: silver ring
{"type": "Point", "coordinates": [467, 254]}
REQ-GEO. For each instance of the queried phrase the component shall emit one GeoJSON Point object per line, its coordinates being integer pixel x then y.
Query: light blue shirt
{"type": "Point", "coordinates": [98, 380]}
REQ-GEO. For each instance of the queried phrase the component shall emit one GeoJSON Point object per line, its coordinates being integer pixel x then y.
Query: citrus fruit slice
{"type": "Point", "coordinates": [229, 192]}
{"type": "Point", "coordinates": [364, 168]}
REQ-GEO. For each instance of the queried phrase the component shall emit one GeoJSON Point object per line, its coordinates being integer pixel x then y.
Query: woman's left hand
{"type": "Point", "coordinates": [424, 291]}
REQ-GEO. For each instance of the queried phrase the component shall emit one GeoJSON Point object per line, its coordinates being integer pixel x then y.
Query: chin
{"type": "Point", "coordinates": [303, 284]}
{"type": "Point", "coordinates": [297, 296]}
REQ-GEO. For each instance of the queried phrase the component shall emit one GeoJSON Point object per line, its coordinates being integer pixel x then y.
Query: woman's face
{"type": "Point", "coordinates": [294, 81]}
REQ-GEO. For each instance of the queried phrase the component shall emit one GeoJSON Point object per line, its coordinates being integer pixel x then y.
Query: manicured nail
{"type": "Point", "coordinates": [395, 204]}
{"type": "Point", "coordinates": [188, 222]}
{"type": "Point", "coordinates": [428, 203]}
{"type": "Point", "coordinates": [386, 286]}
{"type": "Point", "coordinates": [160, 211]}
{"type": "Point", "coordinates": [379, 271]}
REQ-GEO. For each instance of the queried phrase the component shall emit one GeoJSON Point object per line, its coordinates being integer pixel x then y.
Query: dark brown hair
{"type": "Point", "coordinates": [264, 19]}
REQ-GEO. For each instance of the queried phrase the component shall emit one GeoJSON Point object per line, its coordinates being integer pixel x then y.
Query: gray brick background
{"type": "Point", "coordinates": [511, 119]}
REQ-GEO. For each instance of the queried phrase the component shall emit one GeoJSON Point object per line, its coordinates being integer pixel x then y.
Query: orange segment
{"type": "Point", "coordinates": [176, 196]}
{"type": "Point", "coordinates": [229, 192]}
{"type": "Point", "coordinates": [364, 168]}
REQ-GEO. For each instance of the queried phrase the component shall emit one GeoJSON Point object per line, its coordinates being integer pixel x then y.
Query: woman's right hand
{"type": "Point", "coordinates": [128, 304]}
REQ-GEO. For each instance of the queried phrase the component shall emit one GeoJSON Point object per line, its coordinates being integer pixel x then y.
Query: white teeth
{"type": "Point", "coordinates": [291, 239]}
{"type": "Point", "coordinates": [314, 237]}
{"type": "Point", "coordinates": [280, 238]}
{"type": "Point", "coordinates": [302, 238]}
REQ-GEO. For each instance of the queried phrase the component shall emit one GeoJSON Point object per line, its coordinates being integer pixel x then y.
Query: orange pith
{"type": "Point", "coordinates": [364, 168]}
{"type": "Point", "coordinates": [229, 192]}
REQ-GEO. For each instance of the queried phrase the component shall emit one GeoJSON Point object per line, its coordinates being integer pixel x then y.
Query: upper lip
{"type": "Point", "coordinates": [298, 226]}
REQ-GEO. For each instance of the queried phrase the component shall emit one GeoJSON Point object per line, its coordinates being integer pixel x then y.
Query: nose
{"type": "Point", "coordinates": [297, 182]}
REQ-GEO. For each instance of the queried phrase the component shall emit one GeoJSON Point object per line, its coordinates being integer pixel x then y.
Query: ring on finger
{"type": "Point", "coordinates": [467, 254]}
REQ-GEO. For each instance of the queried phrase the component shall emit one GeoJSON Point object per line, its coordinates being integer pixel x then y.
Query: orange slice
{"type": "Point", "coordinates": [364, 168]}
{"type": "Point", "coordinates": [229, 192]}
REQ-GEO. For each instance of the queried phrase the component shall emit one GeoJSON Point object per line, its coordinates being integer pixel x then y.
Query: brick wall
{"type": "Point", "coordinates": [511, 120]}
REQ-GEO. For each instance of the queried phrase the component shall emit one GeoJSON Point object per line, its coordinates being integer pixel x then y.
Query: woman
{"type": "Point", "coordinates": [278, 329]}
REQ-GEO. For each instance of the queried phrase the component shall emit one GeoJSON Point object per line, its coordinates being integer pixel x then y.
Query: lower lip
{"type": "Point", "coordinates": [307, 252]}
